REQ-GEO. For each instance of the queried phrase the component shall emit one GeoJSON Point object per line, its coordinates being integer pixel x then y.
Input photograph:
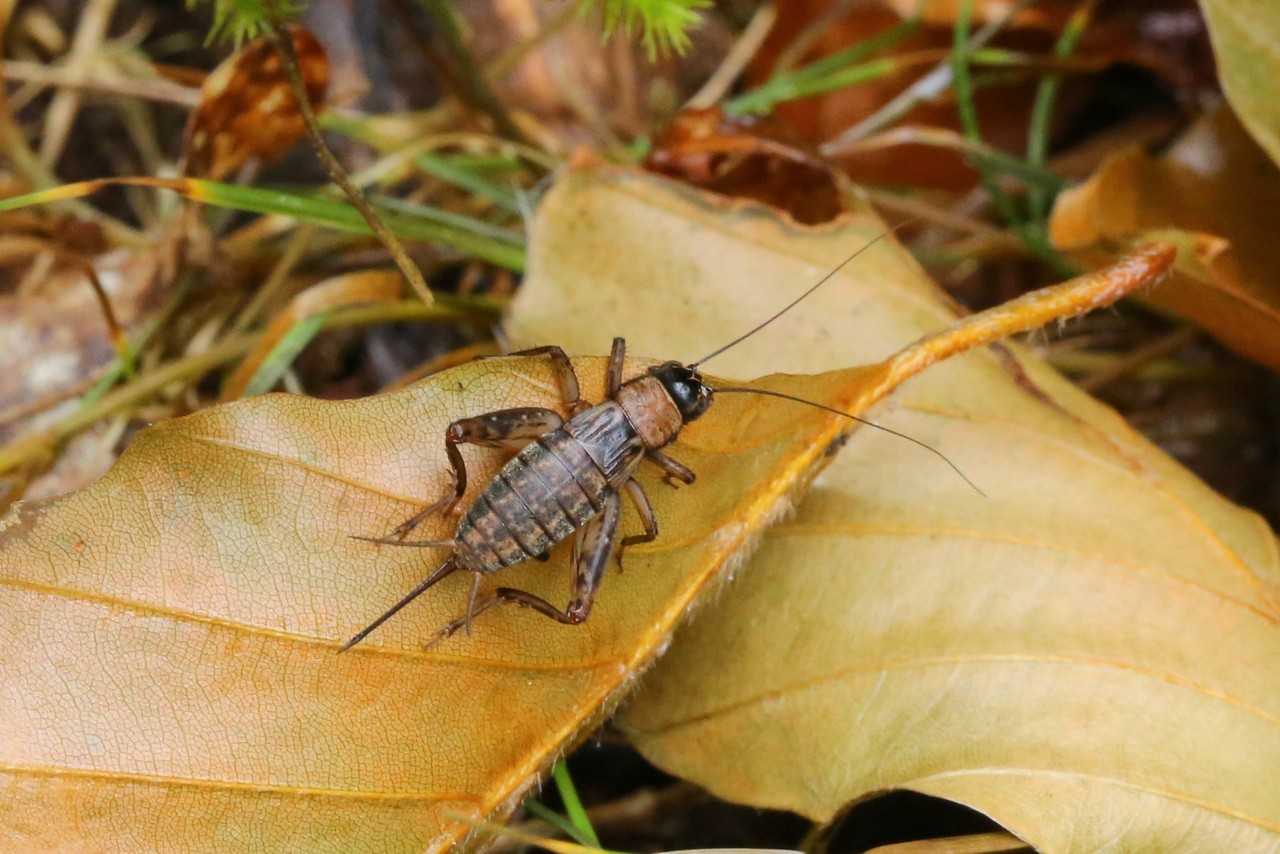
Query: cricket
{"type": "Point", "coordinates": [568, 477]}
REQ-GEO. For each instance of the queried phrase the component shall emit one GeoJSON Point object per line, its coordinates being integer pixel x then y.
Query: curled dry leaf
{"type": "Point", "coordinates": [247, 109]}
{"type": "Point", "coordinates": [1205, 194]}
{"type": "Point", "coordinates": [170, 634]}
{"type": "Point", "coordinates": [751, 159]}
{"type": "Point", "coordinates": [1088, 654]}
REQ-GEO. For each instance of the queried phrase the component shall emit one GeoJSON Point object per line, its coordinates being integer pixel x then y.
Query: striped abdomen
{"type": "Point", "coordinates": [549, 490]}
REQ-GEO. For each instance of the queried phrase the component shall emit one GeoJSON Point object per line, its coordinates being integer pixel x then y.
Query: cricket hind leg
{"type": "Point", "coordinates": [647, 518]}
{"type": "Point", "coordinates": [505, 428]}
{"type": "Point", "coordinates": [599, 541]}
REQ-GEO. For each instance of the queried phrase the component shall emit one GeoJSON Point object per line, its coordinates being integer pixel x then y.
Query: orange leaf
{"type": "Point", "coordinates": [171, 632]}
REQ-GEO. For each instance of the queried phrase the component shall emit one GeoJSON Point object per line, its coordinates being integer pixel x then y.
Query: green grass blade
{"type": "Point", "coordinates": [284, 352]}
{"type": "Point", "coordinates": [411, 222]}
{"type": "Point", "coordinates": [1038, 199]}
{"type": "Point", "coordinates": [586, 834]}
{"type": "Point", "coordinates": [831, 72]}
{"type": "Point", "coordinates": [553, 818]}
{"type": "Point", "coordinates": [462, 171]}
{"type": "Point", "coordinates": [968, 111]}
{"type": "Point", "coordinates": [468, 236]}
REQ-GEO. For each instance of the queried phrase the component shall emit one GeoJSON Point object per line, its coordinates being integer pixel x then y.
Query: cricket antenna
{"type": "Point", "coordinates": [797, 300]}
{"type": "Point", "coordinates": [927, 447]}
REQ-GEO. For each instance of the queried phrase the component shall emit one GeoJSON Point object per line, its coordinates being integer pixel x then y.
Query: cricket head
{"type": "Point", "coordinates": [691, 395]}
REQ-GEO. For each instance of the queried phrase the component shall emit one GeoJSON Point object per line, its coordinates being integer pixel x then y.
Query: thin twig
{"type": "Point", "coordinates": [283, 42]}
{"type": "Point", "coordinates": [917, 208]}
{"type": "Point", "coordinates": [740, 55]}
{"type": "Point", "coordinates": [818, 27]}
{"type": "Point", "coordinates": [461, 72]}
{"type": "Point", "coordinates": [510, 59]}
{"type": "Point", "coordinates": [85, 47]}
{"type": "Point", "coordinates": [160, 91]}
{"type": "Point", "coordinates": [274, 283]}
{"type": "Point", "coordinates": [1130, 363]}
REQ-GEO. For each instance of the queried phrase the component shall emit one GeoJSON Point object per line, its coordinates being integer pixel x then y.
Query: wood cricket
{"type": "Point", "coordinates": [568, 477]}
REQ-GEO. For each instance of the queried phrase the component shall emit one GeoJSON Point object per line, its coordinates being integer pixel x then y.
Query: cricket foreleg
{"type": "Point", "coordinates": [599, 540]}
{"type": "Point", "coordinates": [672, 470]}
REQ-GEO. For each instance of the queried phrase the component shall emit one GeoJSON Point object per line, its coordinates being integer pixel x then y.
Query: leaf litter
{"type": "Point", "coordinates": [597, 111]}
{"type": "Point", "coordinates": [174, 627]}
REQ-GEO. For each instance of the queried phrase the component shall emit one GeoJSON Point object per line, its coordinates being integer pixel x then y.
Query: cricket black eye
{"type": "Point", "coordinates": [692, 397]}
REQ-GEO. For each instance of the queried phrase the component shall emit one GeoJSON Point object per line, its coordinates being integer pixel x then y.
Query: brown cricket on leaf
{"type": "Point", "coordinates": [568, 477]}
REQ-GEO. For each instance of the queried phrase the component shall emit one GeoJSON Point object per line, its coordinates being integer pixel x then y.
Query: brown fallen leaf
{"type": "Point", "coordinates": [748, 158]}
{"type": "Point", "coordinates": [1204, 194]}
{"type": "Point", "coordinates": [170, 633]}
{"type": "Point", "coordinates": [247, 110]}
{"type": "Point", "coordinates": [1088, 655]}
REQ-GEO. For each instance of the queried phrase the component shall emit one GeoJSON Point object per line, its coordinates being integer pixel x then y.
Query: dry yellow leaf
{"type": "Point", "coordinates": [1246, 35]}
{"type": "Point", "coordinates": [1088, 654]}
{"type": "Point", "coordinates": [171, 632]}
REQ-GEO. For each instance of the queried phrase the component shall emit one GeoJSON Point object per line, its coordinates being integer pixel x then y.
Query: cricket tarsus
{"type": "Point", "coordinates": [926, 446]}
